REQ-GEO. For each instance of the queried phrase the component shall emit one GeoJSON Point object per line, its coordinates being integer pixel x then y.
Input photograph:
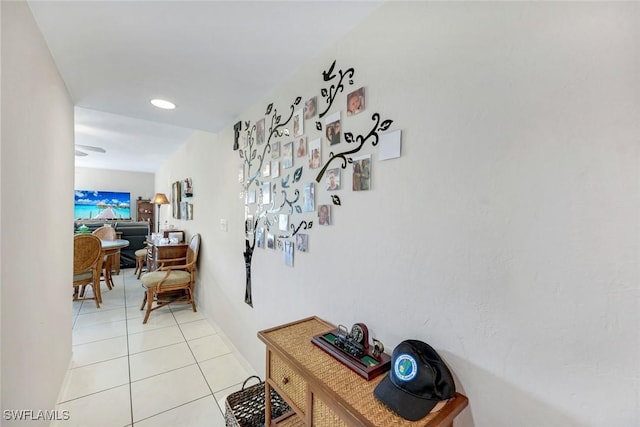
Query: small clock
{"type": "Point", "coordinates": [360, 334]}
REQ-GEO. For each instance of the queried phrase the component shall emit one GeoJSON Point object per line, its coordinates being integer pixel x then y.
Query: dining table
{"type": "Point", "coordinates": [109, 247]}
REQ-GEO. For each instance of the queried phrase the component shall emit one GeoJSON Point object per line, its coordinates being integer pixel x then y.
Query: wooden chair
{"type": "Point", "coordinates": [87, 262]}
{"type": "Point", "coordinates": [170, 283]}
{"type": "Point", "coordinates": [141, 257]}
{"type": "Point", "coordinates": [107, 233]}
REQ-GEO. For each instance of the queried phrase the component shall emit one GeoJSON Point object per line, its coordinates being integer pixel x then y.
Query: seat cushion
{"type": "Point", "coordinates": [85, 275]}
{"type": "Point", "coordinates": [141, 252]}
{"type": "Point", "coordinates": [177, 277]}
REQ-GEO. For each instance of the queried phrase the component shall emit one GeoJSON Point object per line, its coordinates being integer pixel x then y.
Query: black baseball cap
{"type": "Point", "coordinates": [417, 381]}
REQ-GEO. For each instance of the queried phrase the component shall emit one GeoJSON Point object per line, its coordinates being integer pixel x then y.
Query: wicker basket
{"type": "Point", "coordinates": [245, 408]}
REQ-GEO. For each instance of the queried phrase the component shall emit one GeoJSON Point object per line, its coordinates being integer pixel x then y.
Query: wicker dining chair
{"type": "Point", "coordinates": [171, 283]}
{"type": "Point", "coordinates": [141, 260]}
{"type": "Point", "coordinates": [107, 232]}
{"type": "Point", "coordinates": [87, 262]}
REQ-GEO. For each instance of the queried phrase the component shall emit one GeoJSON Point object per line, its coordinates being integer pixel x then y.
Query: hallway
{"type": "Point", "coordinates": [175, 370]}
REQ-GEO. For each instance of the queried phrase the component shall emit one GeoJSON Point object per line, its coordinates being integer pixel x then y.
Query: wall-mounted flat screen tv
{"type": "Point", "coordinates": [90, 204]}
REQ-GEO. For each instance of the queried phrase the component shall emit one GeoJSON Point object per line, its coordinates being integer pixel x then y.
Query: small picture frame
{"type": "Point", "coordinates": [355, 102]}
{"type": "Point", "coordinates": [251, 197]}
{"type": "Point", "coordinates": [283, 222]}
{"type": "Point", "coordinates": [315, 154]}
{"type": "Point", "coordinates": [260, 237]}
{"type": "Point", "coordinates": [333, 129]}
{"type": "Point", "coordinates": [298, 123]}
{"type": "Point", "coordinates": [275, 150]}
{"type": "Point", "coordinates": [183, 210]}
{"type": "Point", "coordinates": [266, 193]}
{"type": "Point", "coordinates": [333, 179]}
{"type": "Point", "coordinates": [302, 242]}
{"type": "Point", "coordinates": [308, 197]}
{"type": "Point", "coordinates": [324, 214]}
{"type": "Point", "coordinates": [361, 173]}
{"type": "Point", "coordinates": [288, 253]}
{"type": "Point", "coordinates": [260, 131]}
{"type": "Point", "coordinates": [275, 169]}
{"type": "Point", "coordinates": [301, 147]}
{"type": "Point", "coordinates": [310, 107]}
{"type": "Point", "coordinates": [271, 241]}
{"type": "Point", "coordinates": [287, 155]}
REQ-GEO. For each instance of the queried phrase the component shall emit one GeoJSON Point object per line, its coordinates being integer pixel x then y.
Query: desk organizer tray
{"type": "Point", "coordinates": [367, 365]}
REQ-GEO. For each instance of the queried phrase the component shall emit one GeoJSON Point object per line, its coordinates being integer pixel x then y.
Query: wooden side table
{"type": "Point", "coordinates": [323, 392]}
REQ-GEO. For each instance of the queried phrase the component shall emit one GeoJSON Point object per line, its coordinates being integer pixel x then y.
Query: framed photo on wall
{"type": "Point", "coordinates": [176, 191]}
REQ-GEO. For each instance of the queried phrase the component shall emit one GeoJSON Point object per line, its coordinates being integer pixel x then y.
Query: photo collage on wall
{"type": "Point", "coordinates": [295, 158]}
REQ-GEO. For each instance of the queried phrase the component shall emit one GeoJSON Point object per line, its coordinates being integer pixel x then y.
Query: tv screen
{"type": "Point", "coordinates": [102, 205]}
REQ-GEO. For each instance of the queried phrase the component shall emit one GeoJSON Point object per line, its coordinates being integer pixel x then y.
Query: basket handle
{"type": "Point", "coordinates": [252, 376]}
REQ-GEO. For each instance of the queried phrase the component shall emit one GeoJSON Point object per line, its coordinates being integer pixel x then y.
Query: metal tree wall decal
{"type": "Point", "coordinates": [285, 200]}
{"type": "Point", "coordinates": [253, 162]}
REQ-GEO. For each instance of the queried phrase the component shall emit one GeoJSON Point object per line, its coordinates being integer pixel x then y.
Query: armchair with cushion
{"type": "Point", "coordinates": [172, 282]}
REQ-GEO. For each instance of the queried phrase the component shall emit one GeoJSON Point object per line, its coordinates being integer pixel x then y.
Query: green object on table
{"type": "Point", "coordinates": [83, 229]}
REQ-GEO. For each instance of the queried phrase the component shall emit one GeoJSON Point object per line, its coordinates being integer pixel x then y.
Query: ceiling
{"type": "Point", "coordinates": [213, 59]}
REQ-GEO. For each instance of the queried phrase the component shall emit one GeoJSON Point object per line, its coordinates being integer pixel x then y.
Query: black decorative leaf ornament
{"type": "Point", "coordinates": [297, 101]}
{"type": "Point", "coordinates": [246, 124]}
{"type": "Point", "coordinates": [385, 125]}
{"type": "Point", "coordinates": [253, 154]}
{"type": "Point", "coordinates": [298, 209]}
{"type": "Point", "coordinates": [328, 74]}
{"type": "Point", "coordinates": [318, 125]}
{"type": "Point", "coordinates": [348, 136]}
{"type": "Point", "coordinates": [241, 154]}
{"type": "Point", "coordinates": [336, 200]}
{"type": "Point", "coordinates": [285, 182]}
{"type": "Point", "coordinates": [269, 108]}
{"type": "Point", "coordinates": [324, 92]}
{"type": "Point", "coordinates": [350, 160]}
{"type": "Point", "coordinates": [277, 118]}
{"type": "Point", "coordinates": [310, 224]}
{"type": "Point", "coordinates": [297, 174]}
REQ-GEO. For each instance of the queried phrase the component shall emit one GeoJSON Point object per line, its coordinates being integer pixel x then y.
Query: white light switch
{"type": "Point", "coordinates": [224, 226]}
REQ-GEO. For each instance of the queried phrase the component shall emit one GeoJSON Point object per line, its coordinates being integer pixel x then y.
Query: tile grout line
{"type": "Point", "coordinates": [198, 364]}
{"type": "Point", "coordinates": [126, 327]}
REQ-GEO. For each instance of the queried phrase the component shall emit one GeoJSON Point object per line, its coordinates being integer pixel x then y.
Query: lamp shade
{"type": "Point", "coordinates": [160, 199]}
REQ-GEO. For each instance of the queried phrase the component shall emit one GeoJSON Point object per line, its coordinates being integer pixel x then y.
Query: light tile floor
{"type": "Point", "coordinates": [176, 370]}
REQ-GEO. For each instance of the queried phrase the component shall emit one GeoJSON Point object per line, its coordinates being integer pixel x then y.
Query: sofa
{"type": "Point", "coordinates": [135, 232]}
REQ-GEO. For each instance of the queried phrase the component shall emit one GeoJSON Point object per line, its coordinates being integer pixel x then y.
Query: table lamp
{"type": "Point", "coordinates": [160, 199]}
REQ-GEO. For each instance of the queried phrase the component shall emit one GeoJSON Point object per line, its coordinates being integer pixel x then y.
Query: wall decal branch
{"type": "Point", "coordinates": [360, 140]}
{"type": "Point", "coordinates": [333, 90]}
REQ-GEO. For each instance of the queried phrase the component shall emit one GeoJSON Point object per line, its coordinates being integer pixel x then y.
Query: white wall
{"type": "Point", "coordinates": [506, 236]}
{"type": "Point", "coordinates": [37, 204]}
{"type": "Point", "coordinates": [136, 183]}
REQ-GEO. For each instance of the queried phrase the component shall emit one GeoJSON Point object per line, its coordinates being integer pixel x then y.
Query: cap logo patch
{"type": "Point", "coordinates": [405, 367]}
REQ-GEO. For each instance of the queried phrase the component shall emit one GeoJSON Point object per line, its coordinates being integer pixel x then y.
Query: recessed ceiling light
{"type": "Point", "coordinates": [161, 103]}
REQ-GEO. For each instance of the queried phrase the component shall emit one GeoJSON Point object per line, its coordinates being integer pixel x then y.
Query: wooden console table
{"type": "Point", "coordinates": [322, 391]}
{"type": "Point", "coordinates": [157, 253]}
